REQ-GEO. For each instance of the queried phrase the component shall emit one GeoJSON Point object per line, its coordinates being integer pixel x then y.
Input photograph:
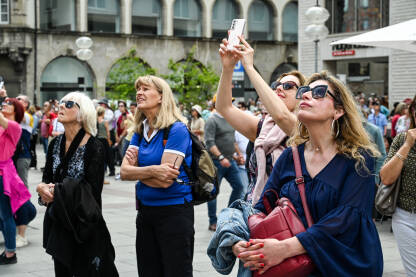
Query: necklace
{"type": "Point", "coordinates": [315, 148]}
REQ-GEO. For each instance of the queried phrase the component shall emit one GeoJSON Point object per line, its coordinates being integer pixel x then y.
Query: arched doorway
{"type": "Point", "coordinates": [63, 75]}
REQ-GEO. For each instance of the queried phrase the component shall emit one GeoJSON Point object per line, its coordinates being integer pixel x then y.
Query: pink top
{"type": "Point", "coordinates": [8, 140]}
{"type": "Point", "coordinates": [12, 185]}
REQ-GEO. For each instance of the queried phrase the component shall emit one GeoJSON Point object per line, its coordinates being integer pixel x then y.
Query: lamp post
{"type": "Point", "coordinates": [84, 53]}
{"type": "Point", "coordinates": [316, 30]}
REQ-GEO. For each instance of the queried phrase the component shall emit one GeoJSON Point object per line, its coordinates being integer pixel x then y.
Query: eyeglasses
{"type": "Point", "coordinates": [286, 85]}
{"type": "Point", "coordinates": [317, 92]}
{"type": "Point", "coordinates": [68, 103]}
{"type": "Point", "coordinates": [7, 103]}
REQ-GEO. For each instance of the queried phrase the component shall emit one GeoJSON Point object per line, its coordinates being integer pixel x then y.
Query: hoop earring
{"type": "Point", "coordinates": [333, 128]}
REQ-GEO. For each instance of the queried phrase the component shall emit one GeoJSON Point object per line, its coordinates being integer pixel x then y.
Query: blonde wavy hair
{"type": "Point", "coordinates": [352, 139]}
{"type": "Point", "coordinates": [168, 112]}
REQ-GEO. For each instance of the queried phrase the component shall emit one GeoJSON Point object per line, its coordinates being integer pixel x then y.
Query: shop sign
{"type": "Point", "coordinates": [343, 53]}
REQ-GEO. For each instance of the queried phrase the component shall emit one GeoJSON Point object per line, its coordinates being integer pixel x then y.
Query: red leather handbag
{"type": "Point", "coordinates": [281, 223]}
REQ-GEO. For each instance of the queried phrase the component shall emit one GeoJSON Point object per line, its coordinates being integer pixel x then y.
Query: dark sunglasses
{"type": "Point", "coordinates": [317, 92]}
{"type": "Point", "coordinates": [7, 103]}
{"type": "Point", "coordinates": [286, 85]}
{"type": "Point", "coordinates": [68, 103]}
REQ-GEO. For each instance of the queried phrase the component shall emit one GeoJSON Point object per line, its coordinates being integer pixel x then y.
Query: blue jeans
{"type": "Point", "coordinates": [232, 175]}
{"type": "Point", "coordinates": [244, 178]}
{"type": "Point", "coordinates": [7, 225]}
{"type": "Point", "coordinates": [44, 142]}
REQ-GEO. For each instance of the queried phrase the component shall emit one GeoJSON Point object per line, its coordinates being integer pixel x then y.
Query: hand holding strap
{"type": "Point", "coordinates": [301, 185]}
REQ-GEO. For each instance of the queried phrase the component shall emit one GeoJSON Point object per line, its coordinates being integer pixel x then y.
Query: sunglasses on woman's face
{"type": "Point", "coordinates": [317, 92]}
{"type": "Point", "coordinates": [286, 85]}
{"type": "Point", "coordinates": [7, 103]}
{"type": "Point", "coordinates": [68, 103]}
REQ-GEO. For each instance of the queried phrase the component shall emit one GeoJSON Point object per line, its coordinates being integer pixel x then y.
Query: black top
{"type": "Point", "coordinates": [93, 160]}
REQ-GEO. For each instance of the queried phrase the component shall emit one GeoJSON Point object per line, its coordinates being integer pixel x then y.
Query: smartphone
{"type": "Point", "coordinates": [1, 82]}
{"type": "Point", "coordinates": [237, 28]}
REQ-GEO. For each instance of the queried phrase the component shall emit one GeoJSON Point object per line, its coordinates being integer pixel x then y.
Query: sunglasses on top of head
{"type": "Point", "coordinates": [286, 85]}
{"type": "Point", "coordinates": [317, 92]}
{"type": "Point", "coordinates": [68, 103]}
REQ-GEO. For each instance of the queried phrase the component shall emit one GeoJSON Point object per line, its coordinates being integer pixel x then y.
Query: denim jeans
{"type": "Point", "coordinates": [7, 225]}
{"type": "Point", "coordinates": [232, 175]}
{"type": "Point", "coordinates": [44, 142]}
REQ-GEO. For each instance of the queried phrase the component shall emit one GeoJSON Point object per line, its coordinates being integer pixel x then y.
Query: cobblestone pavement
{"type": "Point", "coordinates": [119, 213]}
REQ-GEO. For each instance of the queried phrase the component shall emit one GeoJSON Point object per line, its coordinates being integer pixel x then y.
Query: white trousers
{"type": "Point", "coordinates": [404, 228]}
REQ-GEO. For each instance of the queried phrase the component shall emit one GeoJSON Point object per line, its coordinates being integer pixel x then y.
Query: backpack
{"type": "Point", "coordinates": [202, 173]}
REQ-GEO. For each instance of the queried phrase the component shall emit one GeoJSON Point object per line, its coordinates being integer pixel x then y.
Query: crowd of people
{"type": "Point", "coordinates": [347, 147]}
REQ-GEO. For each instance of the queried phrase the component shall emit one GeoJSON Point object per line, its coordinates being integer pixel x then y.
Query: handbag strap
{"type": "Point", "coordinates": [300, 181]}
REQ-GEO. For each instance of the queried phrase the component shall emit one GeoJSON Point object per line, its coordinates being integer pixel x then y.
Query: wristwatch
{"type": "Point", "coordinates": [221, 157]}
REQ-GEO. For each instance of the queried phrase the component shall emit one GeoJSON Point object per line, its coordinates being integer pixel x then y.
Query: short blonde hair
{"type": "Point", "coordinates": [168, 112]}
{"type": "Point", "coordinates": [352, 138]}
{"type": "Point", "coordinates": [86, 115]}
{"type": "Point", "coordinates": [100, 111]}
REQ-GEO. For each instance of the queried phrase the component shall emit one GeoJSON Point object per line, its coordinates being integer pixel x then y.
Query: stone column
{"type": "Point", "coordinates": [126, 12]}
{"type": "Point", "coordinates": [168, 18]}
{"type": "Point", "coordinates": [83, 15]}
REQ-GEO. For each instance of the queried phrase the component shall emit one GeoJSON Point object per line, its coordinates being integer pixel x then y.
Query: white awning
{"type": "Point", "coordinates": [401, 36]}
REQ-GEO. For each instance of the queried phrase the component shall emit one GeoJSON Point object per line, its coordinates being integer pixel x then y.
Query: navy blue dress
{"type": "Point", "coordinates": [343, 241]}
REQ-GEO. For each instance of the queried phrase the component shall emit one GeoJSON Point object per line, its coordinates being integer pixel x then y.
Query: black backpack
{"type": "Point", "coordinates": [202, 174]}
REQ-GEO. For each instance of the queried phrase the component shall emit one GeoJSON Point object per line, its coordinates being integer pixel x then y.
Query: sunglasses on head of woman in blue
{"type": "Point", "coordinates": [317, 92]}
{"type": "Point", "coordinates": [68, 103]}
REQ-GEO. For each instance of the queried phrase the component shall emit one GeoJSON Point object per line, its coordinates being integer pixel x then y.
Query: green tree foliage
{"type": "Point", "coordinates": [123, 74]}
{"type": "Point", "coordinates": [191, 81]}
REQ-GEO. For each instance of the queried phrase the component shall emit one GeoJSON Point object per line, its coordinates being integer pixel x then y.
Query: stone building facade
{"type": "Point", "coordinates": [369, 70]}
{"type": "Point", "coordinates": [37, 38]}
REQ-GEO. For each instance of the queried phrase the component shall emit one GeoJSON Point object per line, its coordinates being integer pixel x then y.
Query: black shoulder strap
{"type": "Point", "coordinates": [166, 132]}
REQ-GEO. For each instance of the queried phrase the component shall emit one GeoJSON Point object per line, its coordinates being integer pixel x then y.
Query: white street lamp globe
{"type": "Point", "coordinates": [84, 42]}
{"type": "Point", "coordinates": [316, 15]}
{"type": "Point", "coordinates": [84, 54]}
{"type": "Point", "coordinates": [316, 31]}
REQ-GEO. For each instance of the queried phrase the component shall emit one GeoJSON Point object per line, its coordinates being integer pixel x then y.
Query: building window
{"type": "Point", "coordinates": [4, 12]}
{"type": "Point", "coordinates": [104, 16]}
{"type": "Point", "coordinates": [63, 75]}
{"type": "Point", "coordinates": [187, 19]}
{"type": "Point", "coordinates": [364, 3]}
{"type": "Point", "coordinates": [146, 17]}
{"type": "Point", "coordinates": [353, 16]}
{"type": "Point", "coordinates": [222, 15]}
{"type": "Point", "coordinates": [260, 21]}
{"type": "Point", "coordinates": [57, 15]}
{"type": "Point", "coordinates": [290, 22]}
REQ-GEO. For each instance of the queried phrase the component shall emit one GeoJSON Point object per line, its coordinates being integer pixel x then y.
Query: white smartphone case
{"type": "Point", "coordinates": [237, 28]}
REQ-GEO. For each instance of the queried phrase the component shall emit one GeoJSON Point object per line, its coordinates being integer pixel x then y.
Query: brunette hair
{"type": "Point", "coordinates": [295, 73]}
{"type": "Point", "coordinates": [19, 110]}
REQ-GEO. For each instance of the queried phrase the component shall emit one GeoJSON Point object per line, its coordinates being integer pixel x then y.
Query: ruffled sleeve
{"type": "Point", "coordinates": [345, 242]}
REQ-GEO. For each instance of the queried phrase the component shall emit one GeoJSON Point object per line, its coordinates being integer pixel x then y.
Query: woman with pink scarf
{"type": "Point", "coordinates": [269, 134]}
{"type": "Point", "coordinates": [13, 193]}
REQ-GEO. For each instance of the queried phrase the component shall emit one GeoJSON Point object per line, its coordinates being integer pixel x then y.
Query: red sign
{"type": "Point", "coordinates": [343, 53]}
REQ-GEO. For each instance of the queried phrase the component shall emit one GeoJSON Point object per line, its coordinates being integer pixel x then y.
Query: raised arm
{"type": "Point", "coordinates": [397, 157]}
{"type": "Point", "coordinates": [239, 120]}
{"type": "Point", "coordinates": [275, 106]}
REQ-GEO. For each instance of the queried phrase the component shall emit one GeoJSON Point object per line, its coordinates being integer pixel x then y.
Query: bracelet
{"type": "Point", "coordinates": [400, 156]}
{"type": "Point", "coordinates": [221, 157]}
